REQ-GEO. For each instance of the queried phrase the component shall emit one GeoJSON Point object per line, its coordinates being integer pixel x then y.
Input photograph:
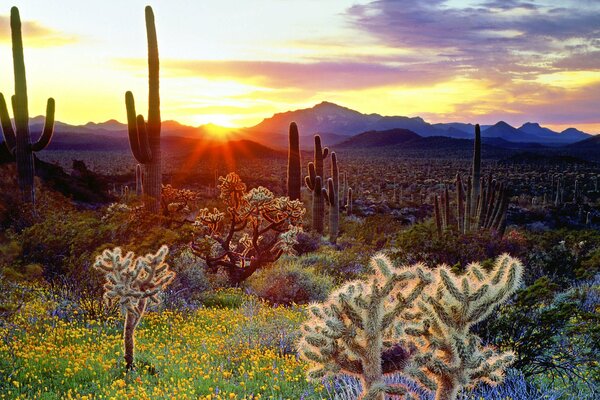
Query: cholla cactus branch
{"type": "Point", "coordinates": [260, 228]}
{"type": "Point", "coordinates": [356, 331]}
{"type": "Point", "coordinates": [450, 307]}
{"type": "Point", "coordinates": [132, 282]}
{"type": "Point", "coordinates": [413, 322]}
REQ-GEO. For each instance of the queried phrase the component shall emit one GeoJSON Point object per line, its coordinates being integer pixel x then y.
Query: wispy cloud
{"type": "Point", "coordinates": [35, 34]}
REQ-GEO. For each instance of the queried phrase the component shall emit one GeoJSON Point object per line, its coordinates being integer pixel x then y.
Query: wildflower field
{"type": "Point", "coordinates": [210, 353]}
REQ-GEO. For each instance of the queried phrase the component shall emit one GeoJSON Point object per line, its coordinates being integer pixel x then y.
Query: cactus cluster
{"type": "Point", "coordinates": [131, 283]}
{"type": "Point", "coordinates": [17, 139]}
{"type": "Point", "coordinates": [314, 183]}
{"type": "Point", "coordinates": [483, 204]}
{"type": "Point", "coordinates": [144, 136]}
{"type": "Point", "coordinates": [412, 322]}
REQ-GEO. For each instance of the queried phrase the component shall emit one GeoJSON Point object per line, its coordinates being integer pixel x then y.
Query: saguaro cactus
{"type": "Point", "coordinates": [355, 332]}
{"type": "Point", "coordinates": [144, 137]}
{"type": "Point", "coordinates": [131, 283]}
{"type": "Point", "coordinates": [332, 196]}
{"type": "Point", "coordinates": [294, 173]}
{"type": "Point", "coordinates": [483, 207]}
{"type": "Point", "coordinates": [314, 184]}
{"type": "Point", "coordinates": [320, 155]}
{"type": "Point", "coordinates": [17, 139]}
{"type": "Point", "coordinates": [349, 204]}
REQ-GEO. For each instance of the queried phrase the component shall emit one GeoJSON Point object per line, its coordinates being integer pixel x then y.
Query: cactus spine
{"type": "Point", "coordinates": [131, 283]}
{"type": "Point", "coordinates": [144, 137]}
{"type": "Point", "coordinates": [294, 172]}
{"type": "Point", "coordinates": [314, 184]}
{"type": "Point", "coordinates": [332, 197]}
{"type": "Point", "coordinates": [17, 139]}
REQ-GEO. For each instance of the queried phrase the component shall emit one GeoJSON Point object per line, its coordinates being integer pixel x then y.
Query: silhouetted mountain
{"type": "Point", "coordinates": [390, 137]}
{"type": "Point", "coordinates": [576, 134]}
{"type": "Point", "coordinates": [592, 143]}
{"type": "Point", "coordinates": [545, 135]}
{"type": "Point", "coordinates": [505, 144]}
{"type": "Point", "coordinates": [332, 118]}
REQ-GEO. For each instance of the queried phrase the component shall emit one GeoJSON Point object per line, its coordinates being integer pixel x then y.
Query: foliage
{"type": "Point", "coordinates": [554, 332]}
{"type": "Point", "coordinates": [290, 282]}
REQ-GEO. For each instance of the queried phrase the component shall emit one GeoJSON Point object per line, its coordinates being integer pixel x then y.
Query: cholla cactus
{"type": "Point", "coordinates": [132, 282]}
{"type": "Point", "coordinates": [411, 322]}
{"type": "Point", "coordinates": [357, 330]}
{"type": "Point", "coordinates": [176, 201]}
{"type": "Point", "coordinates": [260, 228]}
{"type": "Point", "coordinates": [451, 357]}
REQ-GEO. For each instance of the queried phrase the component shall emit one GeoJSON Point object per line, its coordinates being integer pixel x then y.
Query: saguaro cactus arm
{"type": "Point", "coordinates": [138, 136]}
{"type": "Point", "coordinates": [46, 136]}
{"type": "Point", "coordinates": [7, 126]}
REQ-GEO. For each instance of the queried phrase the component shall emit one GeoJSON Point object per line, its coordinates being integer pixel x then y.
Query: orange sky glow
{"type": "Point", "coordinates": [233, 63]}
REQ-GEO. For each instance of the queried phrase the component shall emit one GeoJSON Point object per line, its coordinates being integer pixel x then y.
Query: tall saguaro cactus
{"type": "Point", "coordinates": [483, 206]}
{"type": "Point", "coordinates": [18, 139]}
{"type": "Point", "coordinates": [314, 184]}
{"type": "Point", "coordinates": [320, 155]}
{"type": "Point", "coordinates": [294, 173]}
{"type": "Point", "coordinates": [332, 195]}
{"type": "Point", "coordinates": [144, 137]}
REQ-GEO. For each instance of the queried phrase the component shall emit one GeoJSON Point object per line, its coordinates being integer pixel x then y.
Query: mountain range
{"type": "Point", "coordinates": [335, 124]}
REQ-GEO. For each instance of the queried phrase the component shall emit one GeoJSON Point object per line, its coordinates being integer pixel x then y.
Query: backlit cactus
{"type": "Point", "coordinates": [355, 332]}
{"type": "Point", "coordinates": [449, 356]}
{"type": "Point", "coordinates": [17, 139]}
{"type": "Point", "coordinates": [131, 283]}
{"type": "Point", "coordinates": [144, 137]}
{"type": "Point", "coordinates": [413, 322]}
{"type": "Point", "coordinates": [294, 172]}
{"type": "Point", "coordinates": [257, 230]}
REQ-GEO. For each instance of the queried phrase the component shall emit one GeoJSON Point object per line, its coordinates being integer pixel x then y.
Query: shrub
{"type": "Point", "coordinates": [288, 281]}
{"type": "Point", "coordinates": [230, 298]}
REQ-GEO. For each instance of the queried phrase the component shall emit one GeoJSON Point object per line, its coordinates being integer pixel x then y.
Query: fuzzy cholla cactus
{"type": "Point", "coordinates": [356, 331]}
{"type": "Point", "coordinates": [257, 229]}
{"type": "Point", "coordinates": [450, 356]}
{"type": "Point", "coordinates": [132, 282]}
{"type": "Point", "coordinates": [414, 323]}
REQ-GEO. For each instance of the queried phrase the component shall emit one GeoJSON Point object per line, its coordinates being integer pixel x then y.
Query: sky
{"type": "Point", "coordinates": [234, 63]}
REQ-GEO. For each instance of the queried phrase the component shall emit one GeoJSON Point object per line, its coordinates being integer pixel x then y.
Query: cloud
{"type": "Point", "coordinates": [35, 34]}
{"type": "Point", "coordinates": [508, 37]}
{"type": "Point", "coordinates": [319, 75]}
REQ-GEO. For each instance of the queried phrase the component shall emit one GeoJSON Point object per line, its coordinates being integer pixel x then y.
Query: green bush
{"type": "Point", "coordinates": [289, 281]}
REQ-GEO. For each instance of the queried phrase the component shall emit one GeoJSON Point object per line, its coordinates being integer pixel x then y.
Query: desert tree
{"type": "Point", "coordinates": [256, 229]}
